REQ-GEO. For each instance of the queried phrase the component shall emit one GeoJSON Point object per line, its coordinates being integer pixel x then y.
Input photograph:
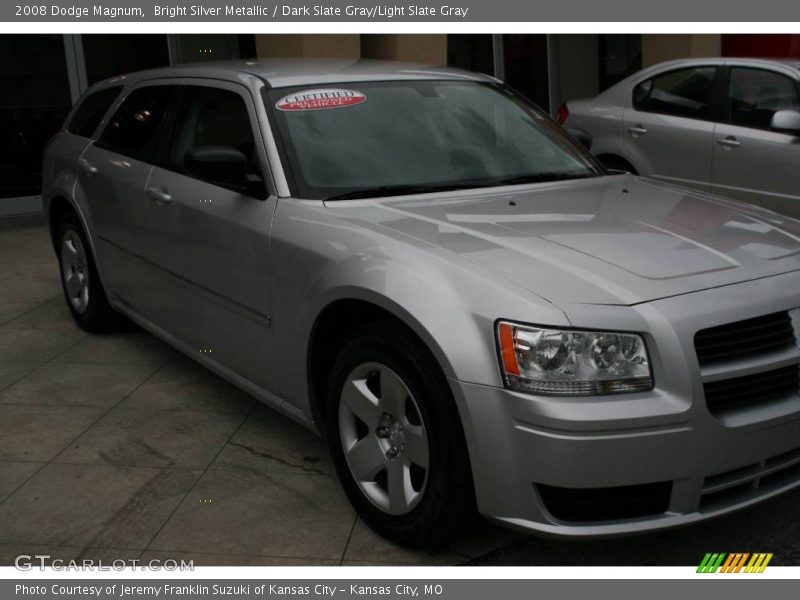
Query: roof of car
{"type": "Point", "coordinates": [286, 72]}
{"type": "Point", "coordinates": [790, 62]}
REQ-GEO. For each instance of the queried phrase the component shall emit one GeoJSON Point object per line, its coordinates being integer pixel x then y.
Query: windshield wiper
{"type": "Point", "coordinates": [541, 178]}
{"type": "Point", "coordinates": [396, 190]}
{"type": "Point", "coordinates": [402, 190]}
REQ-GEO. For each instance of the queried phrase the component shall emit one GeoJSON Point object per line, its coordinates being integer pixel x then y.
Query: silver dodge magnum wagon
{"type": "Point", "coordinates": [425, 268]}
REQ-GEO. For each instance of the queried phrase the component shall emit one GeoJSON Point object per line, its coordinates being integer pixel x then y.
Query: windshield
{"type": "Point", "coordinates": [401, 137]}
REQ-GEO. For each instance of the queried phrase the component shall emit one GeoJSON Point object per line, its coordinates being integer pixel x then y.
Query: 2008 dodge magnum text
{"type": "Point", "coordinates": [426, 268]}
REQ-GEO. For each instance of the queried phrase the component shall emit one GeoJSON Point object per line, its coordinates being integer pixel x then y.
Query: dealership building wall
{"type": "Point", "coordinates": [43, 75]}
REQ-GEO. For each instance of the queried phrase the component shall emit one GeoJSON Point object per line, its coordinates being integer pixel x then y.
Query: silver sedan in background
{"type": "Point", "coordinates": [727, 126]}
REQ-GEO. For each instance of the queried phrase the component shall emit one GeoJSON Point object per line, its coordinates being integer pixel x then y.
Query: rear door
{"type": "Point", "coordinates": [112, 176]}
{"type": "Point", "coordinates": [209, 240]}
{"type": "Point", "coordinates": [668, 129]}
{"type": "Point", "coordinates": [752, 161]}
{"type": "Point", "coordinates": [65, 149]}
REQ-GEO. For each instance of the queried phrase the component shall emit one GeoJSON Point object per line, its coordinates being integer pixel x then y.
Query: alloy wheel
{"type": "Point", "coordinates": [75, 271]}
{"type": "Point", "coordinates": [384, 438]}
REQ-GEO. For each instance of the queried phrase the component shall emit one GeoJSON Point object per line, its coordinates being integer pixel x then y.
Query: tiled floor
{"type": "Point", "coordinates": [115, 446]}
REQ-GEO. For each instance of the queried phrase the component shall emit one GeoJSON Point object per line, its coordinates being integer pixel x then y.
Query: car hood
{"type": "Point", "coordinates": [609, 240]}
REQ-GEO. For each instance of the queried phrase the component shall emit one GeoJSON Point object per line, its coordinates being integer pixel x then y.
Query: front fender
{"type": "Point", "coordinates": [319, 258]}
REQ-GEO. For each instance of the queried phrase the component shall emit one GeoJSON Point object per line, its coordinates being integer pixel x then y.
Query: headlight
{"type": "Point", "coordinates": [556, 362]}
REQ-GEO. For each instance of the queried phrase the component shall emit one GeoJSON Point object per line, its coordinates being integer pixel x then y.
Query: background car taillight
{"type": "Point", "coordinates": [563, 114]}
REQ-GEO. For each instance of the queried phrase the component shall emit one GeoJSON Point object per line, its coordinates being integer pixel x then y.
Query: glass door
{"type": "Point", "coordinates": [110, 55]}
{"type": "Point", "coordinates": [34, 100]}
{"type": "Point", "coordinates": [526, 69]}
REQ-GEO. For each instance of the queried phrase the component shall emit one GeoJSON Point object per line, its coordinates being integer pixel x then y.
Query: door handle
{"type": "Point", "coordinates": [729, 142]}
{"type": "Point", "coordinates": [637, 130]}
{"type": "Point", "coordinates": [88, 167]}
{"type": "Point", "coordinates": [161, 196]}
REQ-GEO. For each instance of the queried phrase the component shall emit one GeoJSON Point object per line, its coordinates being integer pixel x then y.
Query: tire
{"type": "Point", "coordinates": [617, 163]}
{"type": "Point", "coordinates": [390, 405]}
{"type": "Point", "coordinates": [83, 291]}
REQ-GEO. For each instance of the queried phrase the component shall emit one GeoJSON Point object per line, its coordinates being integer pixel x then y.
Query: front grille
{"type": "Point", "coordinates": [606, 504]}
{"type": "Point", "coordinates": [752, 390]}
{"type": "Point", "coordinates": [744, 338]}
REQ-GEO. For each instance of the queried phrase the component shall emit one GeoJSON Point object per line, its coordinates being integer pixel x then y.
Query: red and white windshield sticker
{"type": "Point", "coordinates": [320, 99]}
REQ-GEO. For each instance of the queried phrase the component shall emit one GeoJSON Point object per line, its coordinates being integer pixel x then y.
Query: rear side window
{"type": "Point", "coordinates": [755, 95]}
{"type": "Point", "coordinates": [91, 110]}
{"type": "Point", "coordinates": [683, 93]}
{"type": "Point", "coordinates": [135, 128]}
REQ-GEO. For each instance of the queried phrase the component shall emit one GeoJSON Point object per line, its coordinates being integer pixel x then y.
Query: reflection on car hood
{"type": "Point", "coordinates": [609, 240]}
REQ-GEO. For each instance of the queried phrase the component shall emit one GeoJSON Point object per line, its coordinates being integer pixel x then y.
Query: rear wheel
{"type": "Point", "coordinates": [396, 438]}
{"type": "Point", "coordinates": [80, 282]}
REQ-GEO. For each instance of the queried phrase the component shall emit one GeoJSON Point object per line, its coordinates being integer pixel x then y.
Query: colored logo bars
{"type": "Point", "coordinates": [734, 562]}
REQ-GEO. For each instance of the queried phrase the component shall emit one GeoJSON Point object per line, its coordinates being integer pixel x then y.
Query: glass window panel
{"type": "Point", "coordinates": [755, 95]}
{"type": "Point", "coordinates": [683, 93]}
{"type": "Point", "coordinates": [91, 111]}
{"type": "Point", "coordinates": [135, 128]}
{"type": "Point", "coordinates": [34, 101]}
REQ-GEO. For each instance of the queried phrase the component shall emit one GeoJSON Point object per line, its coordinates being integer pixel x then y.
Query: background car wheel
{"type": "Point", "coordinates": [396, 438]}
{"type": "Point", "coordinates": [83, 290]}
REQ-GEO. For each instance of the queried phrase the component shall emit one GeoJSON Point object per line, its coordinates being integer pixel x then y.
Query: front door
{"type": "Point", "coordinates": [752, 161]}
{"type": "Point", "coordinates": [210, 245]}
{"type": "Point", "coordinates": [112, 177]}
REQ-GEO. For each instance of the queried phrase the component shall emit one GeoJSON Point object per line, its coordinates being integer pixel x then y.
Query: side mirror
{"type": "Point", "coordinates": [584, 138]}
{"type": "Point", "coordinates": [786, 120]}
{"type": "Point", "coordinates": [219, 164]}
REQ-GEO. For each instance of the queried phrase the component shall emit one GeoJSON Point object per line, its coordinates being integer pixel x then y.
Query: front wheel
{"type": "Point", "coordinates": [396, 438]}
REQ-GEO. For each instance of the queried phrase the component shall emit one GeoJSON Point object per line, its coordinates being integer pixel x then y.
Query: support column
{"type": "Point", "coordinates": [308, 45]}
{"type": "Point", "coordinates": [420, 48]}
{"type": "Point", "coordinates": [657, 48]}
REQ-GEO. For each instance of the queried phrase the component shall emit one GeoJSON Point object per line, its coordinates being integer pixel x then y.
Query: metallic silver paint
{"type": "Point", "coordinates": [614, 253]}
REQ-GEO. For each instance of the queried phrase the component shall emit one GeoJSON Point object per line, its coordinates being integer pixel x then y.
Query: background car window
{"type": "Point", "coordinates": [88, 115]}
{"type": "Point", "coordinates": [212, 117]}
{"type": "Point", "coordinates": [755, 95]}
{"type": "Point", "coordinates": [683, 92]}
{"type": "Point", "coordinates": [135, 128]}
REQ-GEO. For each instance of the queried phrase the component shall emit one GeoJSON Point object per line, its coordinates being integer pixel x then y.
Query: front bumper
{"type": "Point", "coordinates": [665, 442]}
{"type": "Point", "coordinates": [513, 455]}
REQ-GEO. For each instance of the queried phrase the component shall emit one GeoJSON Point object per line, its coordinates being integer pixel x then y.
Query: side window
{"type": "Point", "coordinates": [135, 127]}
{"type": "Point", "coordinates": [683, 93]}
{"type": "Point", "coordinates": [91, 110]}
{"type": "Point", "coordinates": [213, 118]}
{"type": "Point", "coordinates": [755, 95]}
